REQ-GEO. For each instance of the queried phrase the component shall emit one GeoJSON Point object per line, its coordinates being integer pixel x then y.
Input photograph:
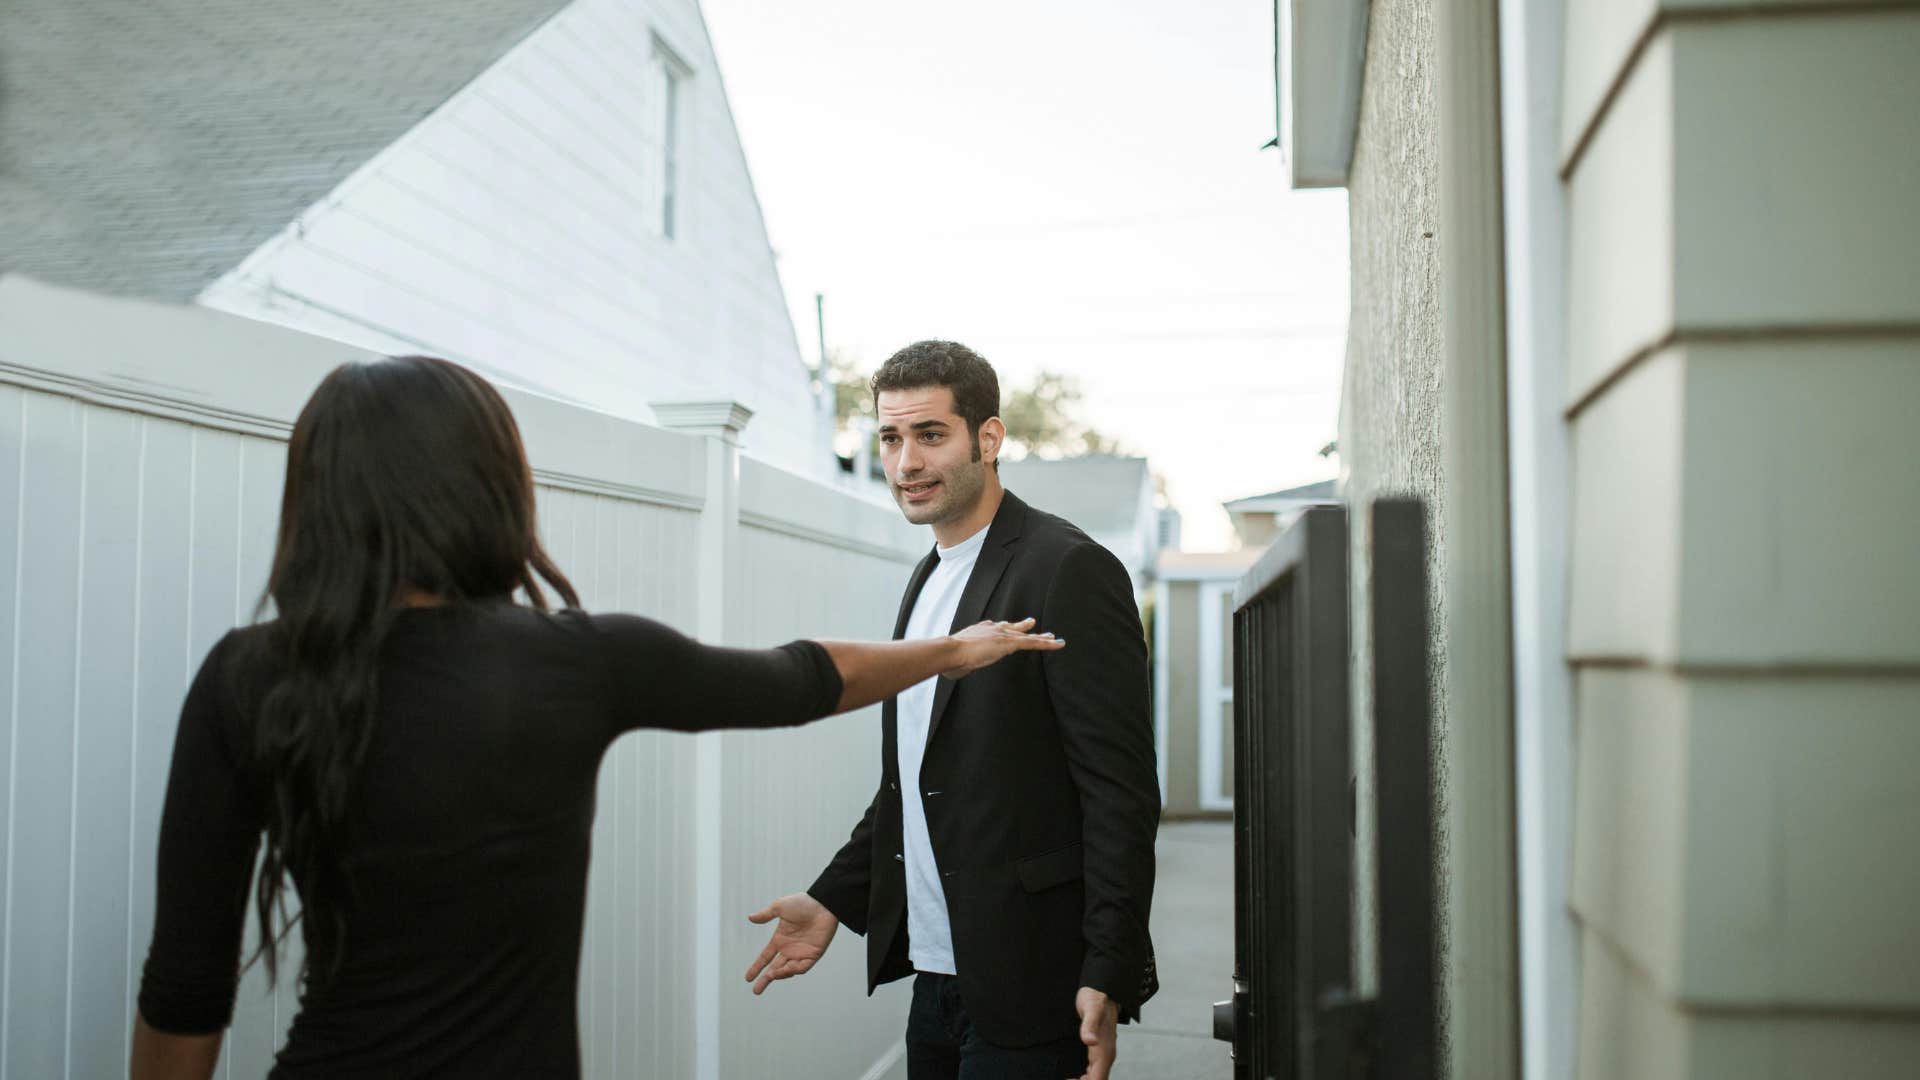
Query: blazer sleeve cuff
{"type": "Point", "coordinates": [849, 905]}
{"type": "Point", "coordinates": [1127, 985]}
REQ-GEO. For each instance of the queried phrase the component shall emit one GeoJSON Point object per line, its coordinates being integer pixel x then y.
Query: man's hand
{"type": "Point", "coordinates": [799, 940]}
{"type": "Point", "coordinates": [1099, 1017]}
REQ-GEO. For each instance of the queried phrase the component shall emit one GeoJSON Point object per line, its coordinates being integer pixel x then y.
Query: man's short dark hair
{"type": "Point", "coordinates": [923, 364]}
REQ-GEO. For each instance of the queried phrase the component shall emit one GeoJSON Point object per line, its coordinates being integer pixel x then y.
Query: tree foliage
{"type": "Point", "coordinates": [1044, 418]}
{"type": "Point", "coordinates": [851, 394]}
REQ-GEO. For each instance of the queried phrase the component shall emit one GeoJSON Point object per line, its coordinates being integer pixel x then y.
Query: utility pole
{"type": "Point", "coordinates": [826, 396]}
{"type": "Point", "coordinates": [820, 324]}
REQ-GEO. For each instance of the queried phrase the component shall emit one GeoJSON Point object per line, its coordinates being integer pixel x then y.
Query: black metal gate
{"type": "Point", "coordinates": [1294, 1015]}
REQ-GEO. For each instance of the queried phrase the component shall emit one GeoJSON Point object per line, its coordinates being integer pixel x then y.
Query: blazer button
{"type": "Point", "coordinates": [897, 857]}
{"type": "Point", "coordinates": [891, 786]}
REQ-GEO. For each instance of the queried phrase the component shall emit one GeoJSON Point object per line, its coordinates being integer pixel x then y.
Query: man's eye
{"type": "Point", "coordinates": [931, 436]}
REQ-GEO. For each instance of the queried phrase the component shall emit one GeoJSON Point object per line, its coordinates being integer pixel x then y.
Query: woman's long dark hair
{"type": "Point", "coordinates": [404, 476]}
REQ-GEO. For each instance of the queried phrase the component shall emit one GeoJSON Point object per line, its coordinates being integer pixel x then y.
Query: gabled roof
{"type": "Point", "coordinates": [146, 149]}
{"type": "Point", "coordinates": [1207, 565]}
{"type": "Point", "coordinates": [1101, 494]}
{"type": "Point", "coordinates": [1324, 491]}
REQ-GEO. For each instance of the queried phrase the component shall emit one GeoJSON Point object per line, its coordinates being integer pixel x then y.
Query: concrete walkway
{"type": "Point", "coordinates": [1193, 946]}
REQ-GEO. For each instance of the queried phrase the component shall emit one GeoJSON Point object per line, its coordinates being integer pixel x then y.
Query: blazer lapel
{"type": "Point", "coordinates": [889, 709]}
{"type": "Point", "coordinates": [995, 553]}
{"type": "Point", "coordinates": [914, 584]}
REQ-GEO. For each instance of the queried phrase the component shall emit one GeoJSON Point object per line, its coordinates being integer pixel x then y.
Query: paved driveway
{"type": "Point", "coordinates": [1193, 944]}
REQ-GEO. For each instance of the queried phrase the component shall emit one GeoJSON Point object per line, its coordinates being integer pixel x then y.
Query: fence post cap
{"type": "Point", "coordinates": [723, 418]}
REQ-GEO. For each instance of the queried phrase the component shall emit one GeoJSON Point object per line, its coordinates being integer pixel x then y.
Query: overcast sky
{"type": "Point", "coordinates": [1068, 185]}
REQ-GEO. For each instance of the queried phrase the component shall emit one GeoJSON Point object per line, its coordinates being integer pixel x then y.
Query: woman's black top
{"type": "Point", "coordinates": [469, 833]}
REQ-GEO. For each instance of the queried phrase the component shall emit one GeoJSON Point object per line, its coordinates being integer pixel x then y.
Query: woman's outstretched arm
{"type": "Point", "coordinates": [660, 678]}
{"type": "Point", "coordinates": [873, 671]}
{"type": "Point", "coordinates": [160, 1055]}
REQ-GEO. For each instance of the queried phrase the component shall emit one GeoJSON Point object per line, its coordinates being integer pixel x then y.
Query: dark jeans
{"type": "Point", "coordinates": [942, 1045]}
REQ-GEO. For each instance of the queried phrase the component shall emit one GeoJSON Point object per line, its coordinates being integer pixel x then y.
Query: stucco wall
{"type": "Point", "coordinates": [1390, 404]}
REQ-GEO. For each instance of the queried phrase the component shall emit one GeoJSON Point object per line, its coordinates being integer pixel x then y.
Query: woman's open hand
{"type": "Point", "coordinates": [986, 642]}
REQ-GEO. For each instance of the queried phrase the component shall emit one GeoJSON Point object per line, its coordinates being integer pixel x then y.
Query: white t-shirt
{"type": "Point", "coordinates": [929, 936]}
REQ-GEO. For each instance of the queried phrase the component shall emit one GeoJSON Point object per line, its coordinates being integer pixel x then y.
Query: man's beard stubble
{"type": "Point", "coordinates": [960, 493]}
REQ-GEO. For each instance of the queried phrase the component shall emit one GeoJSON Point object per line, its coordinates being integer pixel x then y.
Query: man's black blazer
{"type": "Point", "coordinates": [1040, 792]}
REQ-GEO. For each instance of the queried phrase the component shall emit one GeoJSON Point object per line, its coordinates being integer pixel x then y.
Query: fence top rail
{"type": "Point", "coordinates": [187, 363]}
{"type": "Point", "coordinates": [778, 501]}
{"type": "Point", "coordinates": [1285, 556]}
{"type": "Point", "coordinates": [213, 369]}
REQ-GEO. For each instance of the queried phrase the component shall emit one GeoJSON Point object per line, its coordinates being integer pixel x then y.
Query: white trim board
{"type": "Point", "coordinates": [1216, 598]}
{"type": "Point", "coordinates": [1534, 212]}
{"type": "Point", "coordinates": [1162, 682]}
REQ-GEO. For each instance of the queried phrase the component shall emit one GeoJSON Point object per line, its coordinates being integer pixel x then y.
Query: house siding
{"type": "Point", "coordinates": [1746, 654]}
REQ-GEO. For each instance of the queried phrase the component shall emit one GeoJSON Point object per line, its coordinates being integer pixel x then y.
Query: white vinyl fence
{"type": "Point", "coordinates": [141, 456]}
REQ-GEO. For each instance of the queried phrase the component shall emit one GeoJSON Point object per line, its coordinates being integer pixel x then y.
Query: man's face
{"type": "Point", "coordinates": [932, 464]}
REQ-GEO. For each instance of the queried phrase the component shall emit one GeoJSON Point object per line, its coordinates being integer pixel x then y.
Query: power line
{"type": "Point", "coordinates": [1274, 333]}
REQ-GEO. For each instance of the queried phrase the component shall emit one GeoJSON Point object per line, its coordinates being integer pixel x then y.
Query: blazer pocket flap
{"type": "Point", "coordinates": [1056, 867]}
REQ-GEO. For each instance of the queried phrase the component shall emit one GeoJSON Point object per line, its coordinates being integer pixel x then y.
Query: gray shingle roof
{"type": "Point", "coordinates": [1099, 494]}
{"type": "Point", "coordinates": [147, 148]}
{"type": "Point", "coordinates": [1319, 491]}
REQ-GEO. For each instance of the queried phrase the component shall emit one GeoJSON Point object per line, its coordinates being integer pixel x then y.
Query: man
{"type": "Point", "coordinates": [1006, 860]}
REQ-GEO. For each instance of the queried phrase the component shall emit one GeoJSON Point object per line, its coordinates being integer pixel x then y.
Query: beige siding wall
{"type": "Point", "coordinates": [1744, 352]}
{"type": "Point", "coordinates": [1183, 698]}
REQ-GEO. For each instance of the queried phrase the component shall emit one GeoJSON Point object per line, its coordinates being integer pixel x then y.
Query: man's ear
{"type": "Point", "coordinates": [992, 434]}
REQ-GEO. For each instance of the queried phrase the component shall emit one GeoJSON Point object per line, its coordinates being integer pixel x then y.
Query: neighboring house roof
{"type": "Point", "coordinates": [1100, 494]}
{"type": "Point", "coordinates": [1319, 66]}
{"type": "Point", "coordinates": [1207, 565]}
{"type": "Point", "coordinates": [1325, 491]}
{"type": "Point", "coordinates": [146, 149]}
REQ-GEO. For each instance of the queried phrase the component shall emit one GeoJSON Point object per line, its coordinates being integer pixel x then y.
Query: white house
{"type": "Point", "coordinates": [552, 193]}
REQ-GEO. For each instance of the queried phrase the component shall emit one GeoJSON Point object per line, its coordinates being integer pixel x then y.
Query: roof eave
{"type": "Point", "coordinates": [1320, 49]}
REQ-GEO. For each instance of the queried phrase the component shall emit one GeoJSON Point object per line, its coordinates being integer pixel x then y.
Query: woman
{"type": "Point", "coordinates": [420, 751]}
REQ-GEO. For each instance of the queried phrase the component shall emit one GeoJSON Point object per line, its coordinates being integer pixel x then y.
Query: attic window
{"type": "Point", "coordinates": [674, 74]}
